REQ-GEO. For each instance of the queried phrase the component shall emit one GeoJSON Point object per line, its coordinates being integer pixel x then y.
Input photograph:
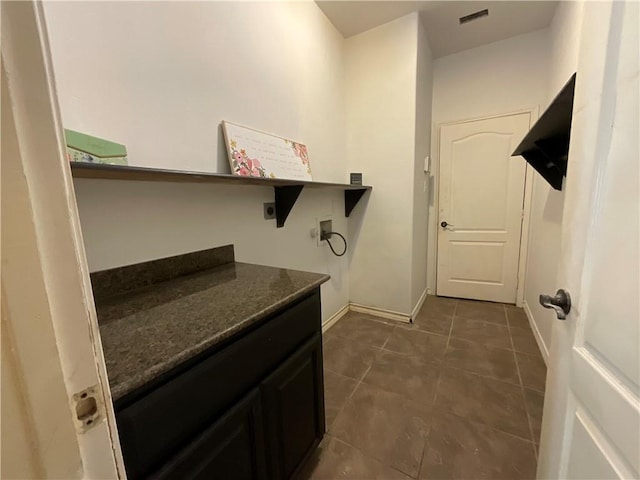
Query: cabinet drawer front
{"type": "Point", "coordinates": [156, 426]}
{"type": "Point", "coordinates": [293, 402]}
{"type": "Point", "coordinates": [231, 449]}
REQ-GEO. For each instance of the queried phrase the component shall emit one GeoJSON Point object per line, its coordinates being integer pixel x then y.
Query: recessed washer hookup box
{"type": "Point", "coordinates": [85, 148]}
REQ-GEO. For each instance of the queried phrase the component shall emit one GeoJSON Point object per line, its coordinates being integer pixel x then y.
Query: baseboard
{"type": "Point", "coordinates": [380, 312]}
{"type": "Point", "coordinates": [418, 306]}
{"type": "Point", "coordinates": [536, 333]}
{"type": "Point", "coordinates": [333, 319]}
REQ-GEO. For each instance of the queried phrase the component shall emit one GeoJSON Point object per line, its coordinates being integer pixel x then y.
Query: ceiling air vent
{"type": "Point", "coordinates": [474, 16]}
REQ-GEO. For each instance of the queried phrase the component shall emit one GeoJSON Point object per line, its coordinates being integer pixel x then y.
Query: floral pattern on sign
{"type": "Point", "coordinates": [245, 166]}
{"type": "Point", "coordinates": [301, 152]}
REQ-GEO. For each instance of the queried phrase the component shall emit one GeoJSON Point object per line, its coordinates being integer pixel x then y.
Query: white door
{"type": "Point", "coordinates": [591, 422]}
{"type": "Point", "coordinates": [481, 191]}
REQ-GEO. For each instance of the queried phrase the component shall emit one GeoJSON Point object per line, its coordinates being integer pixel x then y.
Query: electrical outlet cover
{"type": "Point", "coordinates": [269, 211]}
{"type": "Point", "coordinates": [325, 226]}
{"type": "Point", "coordinates": [319, 221]}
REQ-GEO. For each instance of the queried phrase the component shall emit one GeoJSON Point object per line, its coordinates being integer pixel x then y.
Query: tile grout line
{"type": "Point", "coordinates": [388, 338]}
{"type": "Point", "coordinates": [427, 364]}
{"type": "Point", "coordinates": [379, 349]}
{"type": "Point", "coordinates": [367, 454]}
{"type": "Point", "coordinates": [495, 324]}
{"type": "Point", "coordinates": [449, 336]}
{"type": "Point", "coordinates": [518, 384]}
{"type": "Point", "coordinates": [341, 374]}
{"type": "Point", "coordinates": [346, 400]}
{"type": "Point", "coordinates": [524, 398]}
{"type": "Point", "coordinates": [358, 381]}
{"type": "Point", "coordinates": [493, 379]}
{"type": "Point", "coordinates": [446, 347]}
{"type": "Point", "coordinates": [362, 452]}
{"type": "Point", "coordinates": [486, 345]}
{"type": "Point", "coordinates": [435, 390]}
{"type": "Point", "coordinates": [407, 354]}
{"type": "Point", "coordinates": [490, 427]}
{"type": "Point", "coordinates": [482, 321]}
{"type": "Point", "coordinates": [512, 349]}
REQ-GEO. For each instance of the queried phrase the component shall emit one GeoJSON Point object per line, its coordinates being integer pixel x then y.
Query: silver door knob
{"type": "Point", "coordinates": [561, 303]}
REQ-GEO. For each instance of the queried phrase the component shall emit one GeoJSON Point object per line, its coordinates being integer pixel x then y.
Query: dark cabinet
{"type": "Point", "coordinates": [252, 409]}
{"type": "Point", "coordinates": [232, 448]}
{"type": "Point", "coordinates": [293, 400]}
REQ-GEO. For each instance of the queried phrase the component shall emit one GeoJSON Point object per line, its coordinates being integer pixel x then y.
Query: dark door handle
{"type": "Point", "coordinates": [445, 224]}
{"type": "Point", "coordinates": [561, 303]}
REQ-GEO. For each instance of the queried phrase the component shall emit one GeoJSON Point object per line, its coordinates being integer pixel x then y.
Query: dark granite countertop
{"type": "Point", "coordinates": [154, 328]}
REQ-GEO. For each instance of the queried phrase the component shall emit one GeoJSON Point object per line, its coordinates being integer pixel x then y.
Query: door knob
{"type": "Point", "coordinates": [561, 303]}
{"type": "Point", "coordinates": [445, 224]}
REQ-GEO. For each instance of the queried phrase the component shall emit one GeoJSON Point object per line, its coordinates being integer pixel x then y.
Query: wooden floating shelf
{"type": "Point", "coordinates": [286, 191]}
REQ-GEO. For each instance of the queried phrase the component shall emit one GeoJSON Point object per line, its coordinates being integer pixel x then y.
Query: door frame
{"type": "Point", "coordinates": [55, 221]}
{"type": "Point", "coordinates": [526, 203]}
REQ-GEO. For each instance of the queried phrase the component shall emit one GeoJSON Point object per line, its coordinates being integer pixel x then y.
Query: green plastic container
{"type": "Point", "coordinates": [85, 148]}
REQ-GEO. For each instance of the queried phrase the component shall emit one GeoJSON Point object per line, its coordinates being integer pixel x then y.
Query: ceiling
{"type": "Point", "coordinates": [440, 19]}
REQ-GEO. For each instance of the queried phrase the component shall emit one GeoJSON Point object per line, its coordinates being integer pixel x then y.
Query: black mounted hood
{"type": "Point", "coordinates": [546, 146]}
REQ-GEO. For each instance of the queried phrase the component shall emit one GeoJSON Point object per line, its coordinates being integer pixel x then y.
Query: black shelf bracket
{"type": "Point", "coordinates": [286, 197]}
{"type": "Point", "coordinates": [351, 199]}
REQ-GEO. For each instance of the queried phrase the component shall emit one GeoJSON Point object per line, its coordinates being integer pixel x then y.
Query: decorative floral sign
{"type": "Point", "coordinates": [256, 154]}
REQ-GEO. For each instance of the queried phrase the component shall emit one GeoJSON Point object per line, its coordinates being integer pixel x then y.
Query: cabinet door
{"type": "Point", "coordinates": [231, 449]}
{"type": "Point", "coordinates": [293, 402]}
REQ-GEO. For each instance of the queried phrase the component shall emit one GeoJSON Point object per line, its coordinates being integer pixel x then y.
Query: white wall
{"type": "Point", "coordinates": [424, 87]}
{"type": "Point", "coordinates": [381, 81]}
{"type": "Point", "coordinates": [501, 77]}
{"type": "Point", "coordinates": [159, 77]}
{"type": "Point", "coordinates": [547, 203]}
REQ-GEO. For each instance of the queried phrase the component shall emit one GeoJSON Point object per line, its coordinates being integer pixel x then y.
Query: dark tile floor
{"type": "Point", "coordinates": [458, 394]}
